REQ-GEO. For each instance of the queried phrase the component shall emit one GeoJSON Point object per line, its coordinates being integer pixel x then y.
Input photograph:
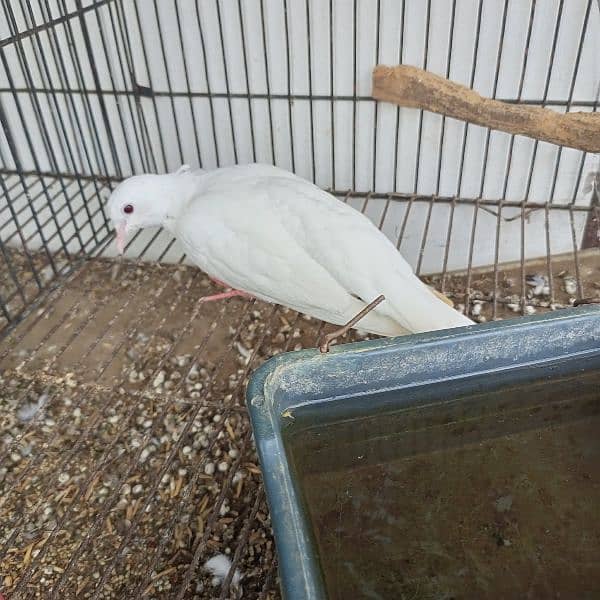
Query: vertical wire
{"type": "Point", "coordinates": [247, 77]}
{"type": "Point", "coordinates": [474, 56]}
{"type": "Point", "coordinates": [289, 82]}
{"type": "Point", "coordinates": [331, 91]}
{"type": "Point", "coordinates": [73, 115]}
{"type": "Point", "coordinates": [149, 75]}
{"type": "Point", "coordinates": [484, 167]}
{"type": "Point", "coordinates": [208, 86]}
{"type": "Point", "coordinates": [440, 145]}
{"type": "Point", "coordinates": [168, 79]}
{"type": "Point", "coordinates": [13, 148]}
{"type": "Point", "coordinates": [96, 78]}
{"type": "Point", "coordinates": [310, 93]}
{"type": "Point", "coordinates": [510, 155]}
{"type": "Point", "coordinates": [109, 64]}
{"type": "Point", "coordinates": [425, 64]}
{"type": "Point", "coordinates": [263, 30]}
{"type": "Point", "coordinates": [59, 127]}
{"type": "Point", "coordinates": [354, 84]}
{"type": "Point", "coordinates": [400, 61]}
{"type": "Point", "coordinates": [187, 84]}
{"type": "Point", "coordinates": [376, 115]}
{"type": "Point", "coordinates": [570, 96]}
{"type": "Point", "coordinates": [85, 95]}
{"type": "Point", "coordinates": [227, 87]}
{"type": "Point", "coordinates": [131, 79]}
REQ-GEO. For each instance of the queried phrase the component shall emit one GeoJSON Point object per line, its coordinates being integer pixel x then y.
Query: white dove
{"type": "Point", "coordinates": [267, 233]}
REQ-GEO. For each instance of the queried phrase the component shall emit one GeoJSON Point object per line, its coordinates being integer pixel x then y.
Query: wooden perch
{"type": "Point", "coordinates": [410, 86]}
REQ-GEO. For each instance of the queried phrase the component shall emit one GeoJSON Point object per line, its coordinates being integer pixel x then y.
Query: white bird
{"type": "Point", "coordinates": [267, 233]}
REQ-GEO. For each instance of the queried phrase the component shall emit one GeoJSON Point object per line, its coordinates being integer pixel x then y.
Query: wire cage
{"type": "Point", "coordinates": [127, 458]}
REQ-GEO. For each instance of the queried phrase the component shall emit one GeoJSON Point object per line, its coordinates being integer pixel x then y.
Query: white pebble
{"type": "Point", "coordinates": [217, 418]}
{"type": "Point", "coordinates": [209, 468]}
{"type": "Point", "coordinates": [223, 466]}
{"type": "Point", "coordinates": [138, 489]}
{"type": "Point", "coordinates": [63, 478]}
{"type": "Point", "coordinates": [159, 379]}
{"type": "Point", "coordinates": [530, 310]}
{"type": "Point", "coordinates": [570, 285]}
{"type": "Point", "coordinates": [77, 412]}
{"type": "Point", "coordinates": [113, 419]}
{"type": "Point", "coordinates": [187, 450]}
{"type": "Point", "coordinates": [233, 453]}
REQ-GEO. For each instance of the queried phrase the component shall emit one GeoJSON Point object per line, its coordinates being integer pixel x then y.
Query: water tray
{"type": "Point", "coordinates": [457, 464]}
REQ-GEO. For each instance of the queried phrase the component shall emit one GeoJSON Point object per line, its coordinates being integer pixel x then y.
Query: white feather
{"type": "Point", "coordinates": [218, 566]}
{"type": "Point", "coordinates": [284, 240]}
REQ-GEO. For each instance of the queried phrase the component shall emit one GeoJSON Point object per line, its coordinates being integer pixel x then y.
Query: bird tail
{"type": "Point", "coordinates": [418, 308]}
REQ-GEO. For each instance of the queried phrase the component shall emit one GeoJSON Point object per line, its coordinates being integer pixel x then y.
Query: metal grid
{"type": "Point", "coordinates": [88, 95]}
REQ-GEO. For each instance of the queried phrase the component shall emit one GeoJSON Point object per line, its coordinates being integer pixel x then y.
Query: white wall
{"type": "Point", "coordinates": [160, 132]}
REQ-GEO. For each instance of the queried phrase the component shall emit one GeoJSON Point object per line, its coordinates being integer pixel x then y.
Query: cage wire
{"type": "Point", "coordinates": [127, 458]}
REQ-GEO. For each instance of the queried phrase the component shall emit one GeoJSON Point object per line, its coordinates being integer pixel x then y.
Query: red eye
{"type": "Point", "coordinates": [128, 209]}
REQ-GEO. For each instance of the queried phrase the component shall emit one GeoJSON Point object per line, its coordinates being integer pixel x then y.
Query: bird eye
{"type": "Point", "coordinates": [128, 209]}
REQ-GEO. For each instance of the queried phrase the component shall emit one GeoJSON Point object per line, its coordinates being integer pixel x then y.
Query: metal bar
{"type": "Point", "coordinates": [288, 72]}
{"type": "Point", "coordinates": [187, 83]}
{"type": "Point", "coordinates": [556, 102]}
{"type": "Point", "coordinates": [208, 87]}
{"type": "Point", "coordinates": [331, 91]}
{"type": "Point", "coordinates": [568, 105]}
{"type": "Point", "coordinates": [132, 78]}
{"type": "Point", "coordinates": [72, 114]}
{"type": "Point", "coordinates": [103, 110]}
{"type": "Point", "coordinates": [400, 61]}
{"type": "Point", "coordinates": [247, 78]}
{"type": "Point", "coordinates": [440, 147]}
{"type": "Point", "coordinates": [51, 23]}
{"type": "Point", "coordinates": [169, 87]}
{"type": "Point", "coordinates": [310, 93]}
{"type": "Point", "coordinates": [227, 89]}
{"type": "Point", "coordinates": [149, 76]}
{"type": "Point", "coordinates": [60, 126]}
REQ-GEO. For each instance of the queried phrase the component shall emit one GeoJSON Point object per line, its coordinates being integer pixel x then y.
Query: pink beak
{"type": "Point", "coordinates": [121, 229]}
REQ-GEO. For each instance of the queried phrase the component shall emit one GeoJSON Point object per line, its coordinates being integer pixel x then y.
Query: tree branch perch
{"type": "Point", "coordinates": [412, 87]}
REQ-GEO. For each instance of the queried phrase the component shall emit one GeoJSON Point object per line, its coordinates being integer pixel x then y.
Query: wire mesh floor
{"type": "Point", "coordinates": [127, 453]}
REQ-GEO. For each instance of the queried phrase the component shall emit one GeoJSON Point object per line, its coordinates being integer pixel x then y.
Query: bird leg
{"type": "Point", "coordinates": [223, 295]}
{"type": "Point", "coordinates": [326, 340]}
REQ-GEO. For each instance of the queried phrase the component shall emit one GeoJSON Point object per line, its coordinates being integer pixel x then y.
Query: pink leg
{"type": "Point", "coordinates": [230, 294]}
{"type": "Point", "coordinates": [224, 295]}
{"type": "Point", "coordinates": [219, 282]}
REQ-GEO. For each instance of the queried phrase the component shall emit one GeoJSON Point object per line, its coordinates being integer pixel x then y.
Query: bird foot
{"type": "Point", "coordinates": [325, 341]}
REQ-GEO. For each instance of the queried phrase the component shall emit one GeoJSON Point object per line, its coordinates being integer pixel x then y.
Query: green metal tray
{"type": "Point", "coordinates": [360, 447]}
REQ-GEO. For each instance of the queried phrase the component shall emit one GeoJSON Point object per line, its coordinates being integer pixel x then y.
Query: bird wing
{"type": "Point", "coordinates": [287, 241]}
{"type": "Point", "coordinates": [241, 241]}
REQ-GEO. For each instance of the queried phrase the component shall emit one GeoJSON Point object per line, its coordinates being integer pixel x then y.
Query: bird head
{"type": "Point", "coordinates": [145, 201]}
